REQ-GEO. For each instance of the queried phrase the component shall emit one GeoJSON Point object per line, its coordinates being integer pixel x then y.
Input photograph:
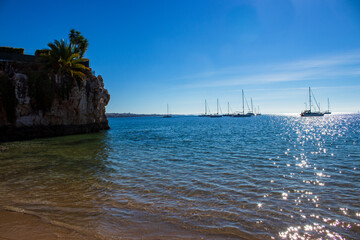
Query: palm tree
{"type": "Point", "coordinates": [62, 60]}
{"type": "Point", "coordinates": [78, 41]}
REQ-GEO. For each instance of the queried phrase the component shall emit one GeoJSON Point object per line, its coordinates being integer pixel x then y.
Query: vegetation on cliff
{"type": "Point", "coordinates": [78, 42]}
{"type": "Point", "coordinates": [64, 61]}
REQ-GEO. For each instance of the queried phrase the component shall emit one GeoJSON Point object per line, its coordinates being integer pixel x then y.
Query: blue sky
{"type": "Point", "coordinates": [153, 53]}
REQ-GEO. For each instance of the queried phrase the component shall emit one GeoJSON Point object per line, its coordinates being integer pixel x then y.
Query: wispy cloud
{"type": "Point", "coordinates": [317, 68]}
{"type": "Point", "coordinates": [326, 61]}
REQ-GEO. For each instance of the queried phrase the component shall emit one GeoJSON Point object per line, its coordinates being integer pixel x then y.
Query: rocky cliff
{"type": "Point", "coordinates": [36, 104]}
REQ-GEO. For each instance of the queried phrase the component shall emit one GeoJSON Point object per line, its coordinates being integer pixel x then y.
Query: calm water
{"type": "Point", "coordinates": [265, 177]}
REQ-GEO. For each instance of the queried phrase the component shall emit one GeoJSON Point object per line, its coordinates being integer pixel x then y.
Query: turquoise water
{"type": "Point", "coordinates": [265, 177]}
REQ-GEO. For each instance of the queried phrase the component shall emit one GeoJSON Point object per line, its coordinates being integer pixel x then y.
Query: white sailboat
{"type": "Point", "coordinates": [309, 113]}
{"type": "Point", "coordinates": [328, 110]}
{"type": "Point", "coordinates": [251, 112]}
{"type": "Point", "coordinates": [217, 111]}
{"type": "Point", "coordinates": [242, 114]}
{"type": "Point", "coordinates": [258, 112]}
{"type": "Point", "coordinates": [206, 111]}
{"type": "Point", "coordinates": [228, 113]}
{"type": "Point", "coordinates": [167, 115]}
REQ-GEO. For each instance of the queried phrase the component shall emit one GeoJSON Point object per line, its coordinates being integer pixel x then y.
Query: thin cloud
{"type": "Point", "coordinates": [260, 78]}
{"type": "Point", "coordinates": [326, 61]}
{"type": "Point", "coordinates": [309, 69]}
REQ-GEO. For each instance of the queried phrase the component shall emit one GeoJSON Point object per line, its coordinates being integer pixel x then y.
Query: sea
{"type": "Point", "coordinates": [189, 177]}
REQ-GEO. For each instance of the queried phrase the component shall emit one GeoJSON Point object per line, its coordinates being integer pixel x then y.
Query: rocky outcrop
{"type": "Point", "coordinates": [45, 105]}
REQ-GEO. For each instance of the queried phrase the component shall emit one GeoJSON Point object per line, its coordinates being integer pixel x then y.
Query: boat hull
{"type": "Point", "coordinates": [311, 114]}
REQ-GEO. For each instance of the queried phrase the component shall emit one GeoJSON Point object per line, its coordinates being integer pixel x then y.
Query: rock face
{"type": "Point", "coordinates": [81, 110]}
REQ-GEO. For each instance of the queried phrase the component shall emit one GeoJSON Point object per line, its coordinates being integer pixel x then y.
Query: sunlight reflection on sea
{"type": "Point", "coordinates": [265, 177]}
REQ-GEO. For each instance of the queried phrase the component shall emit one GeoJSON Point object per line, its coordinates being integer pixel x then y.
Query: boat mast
{"type": "Point", "coordinates": [217, 107]}
{"type": "Point", "coordinates": [167, 109]}
{"type": "Point", "coordinates": [228, 109]}
{"type": "Point", "coordinates": [328, 105]}
{"type": "Point", "coordinates": [205, 108]}
{"type": "Point", "coordinates": [252, 108]}
{"type": "Point", "coordinates": [310, 98]}
{"type": "Point", "coordinates": [243, 102]}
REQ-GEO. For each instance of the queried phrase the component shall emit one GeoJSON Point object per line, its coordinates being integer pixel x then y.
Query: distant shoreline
{"type": "Point", "coordinates": [124, 115]}
{"type": "Point", "coordinates": [127, 115]}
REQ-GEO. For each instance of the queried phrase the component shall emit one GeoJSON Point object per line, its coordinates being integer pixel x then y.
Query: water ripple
{"type": "Point", "coordinates": [269, 177]}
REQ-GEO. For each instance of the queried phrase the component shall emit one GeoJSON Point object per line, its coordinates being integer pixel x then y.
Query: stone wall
{"type": "Point", "coordinates": [17, 57]}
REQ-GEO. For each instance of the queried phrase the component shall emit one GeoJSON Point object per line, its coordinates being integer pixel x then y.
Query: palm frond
{"type": "Point", "coordinates": [64, 59]}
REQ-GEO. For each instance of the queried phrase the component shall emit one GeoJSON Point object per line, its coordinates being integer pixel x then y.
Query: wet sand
{"type": "Point", "coordinates": [19, 226]}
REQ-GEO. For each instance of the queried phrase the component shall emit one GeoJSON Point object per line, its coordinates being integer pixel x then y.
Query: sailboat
{"type": "Point", "coordinates": [228, 114]}
{"type": "Point", "coordinates": [309, 113]}
{"type": "Point", "coordinates": [205, 114]}
{"type": "Point", "coordinates": [242, 114]}
{"type": "Point", "coordinates": [167, 115]}
{"type": "Point", "coordinates": [251, 113]}
{"type": "Point", "coordinates": [328, 111]}
{"type": "Point", "coordinates": [258, 112]}
{"type": "Point", "coordinates": [217, 112]}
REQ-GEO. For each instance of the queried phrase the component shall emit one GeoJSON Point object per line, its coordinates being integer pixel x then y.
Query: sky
{"type": "Point", "coordinates": [151, 53]}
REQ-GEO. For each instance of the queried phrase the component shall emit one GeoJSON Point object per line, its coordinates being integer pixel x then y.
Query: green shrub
{"type": "Point", "coordinates": [85, 62]}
